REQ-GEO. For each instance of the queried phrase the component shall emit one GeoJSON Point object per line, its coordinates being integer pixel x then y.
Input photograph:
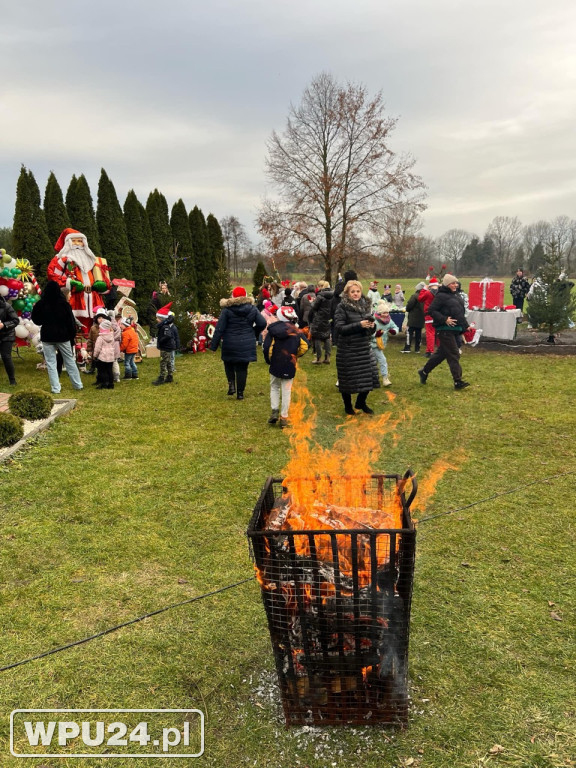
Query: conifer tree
{"type": "Point", "coordinates": [143, 255]}
{"type": "Point", "coordinates": [258, 278]}
{"type": "Point", "coordinates": [536, 258]}
{"type": "Point", "coordinates": [6, 239]}
{"type": "Point", "coordinates": [112, 229]}
{"type": "Point", "coordinates": [30, 235]}
{"type": "Point", "coordinates": [81, 212]}
{"type": "Point", "coordinates": [202, 256]}
{"type": "Point", "coordinates": [57, 219]}
{"type": "Point", "coordinates": [215, 241]}
{"type": "Point", "coordinates": [219, 288]}
{"type": "Point", "coordinates": [551, 303]}
{"type": "Point", "coordinates": [184, 278]}
{"type": "Point", "coordinates": [159, 220]}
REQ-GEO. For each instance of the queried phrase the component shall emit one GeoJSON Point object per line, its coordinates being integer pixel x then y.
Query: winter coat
{"type": "Point", "coordinates": [105, 347]}
{"type": "Point", "coordinates": [283, 344]}
{"type": "Point", "coordinates": [305, 301]}
{"type": "Point", "coordinates": [380, 338]}
{"type": "Point", "coordinates": [373, 296]}
{"type": "Point", "coordinates": [320, 311]}
{"type": "Point", "coordinates": [519, 287]}
{"type": "Point", "coordinates": [9, 319]}
{"type": "Point", "coordinates": [91, 340]}
{"type": "Point", "coordinates": [129, 340]}
{"type": "Point", "coordinates": [415, 312]}
{"type": "Point", "coordinates": [168, 336]}
{"type": "Point", "coordinates": [54, 315]}
{"type": "Point", "coordinates": [398, 299]}
{"type": "Point", "coordinates": [447, 304]}
{"type": "Point", "coordinates": [356, 365]}
{"type": "Point", "coordinates": [426, 297]}
{"type": "Point", "coordinates": [238, 326]}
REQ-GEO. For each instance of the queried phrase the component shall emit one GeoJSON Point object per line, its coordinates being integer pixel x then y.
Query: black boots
{"type": "Point", "coordinates": [361, 403]}
{"type": "Point", "coordinates": [461, 384]}
{"type": "Point", "coordinates": [169, 379]}
{"type": "Point", "coordinates": [231, 388]}
{"type": "Point", "coordinates": [159, 380]}
{"type": "Point", "coordinates": [348, 404]}
{"type": "Point", "coordinates": [423, 376]}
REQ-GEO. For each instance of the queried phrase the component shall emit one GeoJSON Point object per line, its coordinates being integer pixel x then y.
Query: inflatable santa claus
{"type": "Point", "coordinates": [84, 274]}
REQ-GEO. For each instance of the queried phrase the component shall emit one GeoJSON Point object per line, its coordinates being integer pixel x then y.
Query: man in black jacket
{"type": "Point", "coordinates": [449, 317]}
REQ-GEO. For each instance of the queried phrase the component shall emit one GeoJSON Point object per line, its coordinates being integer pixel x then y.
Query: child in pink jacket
{"type": "Point", "coordinates": [105, 354]}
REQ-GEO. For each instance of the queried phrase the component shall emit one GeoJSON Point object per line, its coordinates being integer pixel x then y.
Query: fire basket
{"type": "Point", "coordinates": [337, 600]}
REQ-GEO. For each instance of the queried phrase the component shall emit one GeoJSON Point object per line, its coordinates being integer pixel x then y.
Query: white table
{"type": "Point", "coordinates": [496, 325]}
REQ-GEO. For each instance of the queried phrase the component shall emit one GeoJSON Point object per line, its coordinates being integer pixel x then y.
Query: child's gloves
{"type": "Point", "coordinates": [392, 332]}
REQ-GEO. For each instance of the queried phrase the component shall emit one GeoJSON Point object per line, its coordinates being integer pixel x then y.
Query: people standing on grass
{"type": "Point", "coordinates": [384, 326]}
{"type": "Point", "coordinates": [447, 311]}
{"type": "Point", "coordinates": [8, 322]}
{"type": "Point", "coordinates": [373, 293]}
{"type": "Point", "coordinates": [284, 343]}
{"type": "Point", "coordinates": [319, 317]}
{"type": "Point", "coordinates": [129, 345]}
{"type": "Point", "coordinates": [356, 365]}
{"type": "Point", "coordinates": [105, 354]}
{"type": "Point", "coordinates": [426, 296]}
{"type": "Point", "coordinates": [57, 333]}
{"type": "Point", "coordinates": [519, 288]}
{"type": "Point", "coordinates": [415, 320]}
{"type": "Point", "coordinates": [398, 298]}
{"type": "Point", "coordinates": [238, 327]}
{"type": "Point", "coordinates": [168, 342]}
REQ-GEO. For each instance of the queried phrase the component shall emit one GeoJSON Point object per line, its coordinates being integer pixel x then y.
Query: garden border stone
{"type": "Point", "coordinates": [32, 428]}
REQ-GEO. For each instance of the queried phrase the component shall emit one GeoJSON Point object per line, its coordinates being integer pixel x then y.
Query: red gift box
{"type": "Point", "coordinates": [486, 295]}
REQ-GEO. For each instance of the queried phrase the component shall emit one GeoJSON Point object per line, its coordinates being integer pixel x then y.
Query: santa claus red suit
{"type": "Point", "coordinates": [426, 297]}
{"type": "Point", "coordinates": [77, 268]}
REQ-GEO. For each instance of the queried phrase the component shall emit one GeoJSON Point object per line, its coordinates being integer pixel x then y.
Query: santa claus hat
{"type": "Point", "coordinates": [287, 315]}
{"type": "Point", "coordinates": [165, 311]}
{"type": "Point", "coordinates": [65, 235]}
{"type": "Point", "coordinates": [433, 281]}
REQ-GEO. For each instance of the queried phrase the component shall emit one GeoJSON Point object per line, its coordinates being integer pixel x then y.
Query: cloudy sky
{"type": "Point", "coordinates": [182, 95]}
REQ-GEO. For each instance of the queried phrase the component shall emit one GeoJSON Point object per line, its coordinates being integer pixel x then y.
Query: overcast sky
{"type": "Point", "coordinates": [182, 95]}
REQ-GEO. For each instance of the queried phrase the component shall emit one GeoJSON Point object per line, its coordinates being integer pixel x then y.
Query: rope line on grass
{"type": "Point", "coordinates": [120, 626]}
{"type": "Point", "coordinates": [496, 496]}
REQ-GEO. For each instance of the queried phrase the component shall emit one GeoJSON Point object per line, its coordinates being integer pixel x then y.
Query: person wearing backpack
{"type": "Point", "coordinates": [168, 342]}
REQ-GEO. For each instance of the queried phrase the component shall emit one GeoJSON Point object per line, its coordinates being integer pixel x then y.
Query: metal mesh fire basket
{"type": "Point", "coordinates": [337, 602]}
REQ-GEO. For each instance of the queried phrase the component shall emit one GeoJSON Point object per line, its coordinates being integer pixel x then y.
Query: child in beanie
{"type": "Point", "coordinates": [168, 342]}
{"type": "Point", "coordinates": [282, 345]}
{"type": "Point", "coordinates": [129, 346]}
{"type": "Point", "coordinates": [384, 326]}
{"type": "Point", "coordinates": [105, 354]}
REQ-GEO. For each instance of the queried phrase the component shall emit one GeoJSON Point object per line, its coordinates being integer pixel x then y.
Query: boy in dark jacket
{"type": "Point", "coordinates": [449, 317]}
{"type": "Point", "coordinates": [8, 322]}
{"type": "Point", "coordinates": [282, 345]}
{"type": "Point", "coordinates": [415, 317]}
{"type": "Point", "coordinates": [168, 342]}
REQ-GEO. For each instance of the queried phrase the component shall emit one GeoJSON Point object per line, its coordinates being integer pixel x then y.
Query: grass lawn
{"type": "Point", "coordinates": [140, 498]}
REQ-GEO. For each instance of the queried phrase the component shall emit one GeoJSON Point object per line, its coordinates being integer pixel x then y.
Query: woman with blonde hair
{"type": "Point", "coordinates": [356, 365]}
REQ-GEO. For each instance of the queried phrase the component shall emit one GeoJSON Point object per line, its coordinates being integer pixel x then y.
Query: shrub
{"type": "Point", "coordinates": [31, 404]}
{"type": "Point", "coordinates": [11, 429]}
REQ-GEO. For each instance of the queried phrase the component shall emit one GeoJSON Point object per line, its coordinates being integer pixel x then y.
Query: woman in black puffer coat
{"type": "Point", "coordinates": [8, 322]}
{"type": "Point", "coordinates": [319, 319]}
{"type": "Point", "coordinates": [238, 327]}
{"type": "Point", "coordinates": [355, 363]}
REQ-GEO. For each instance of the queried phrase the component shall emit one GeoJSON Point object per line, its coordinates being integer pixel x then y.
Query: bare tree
{"type": "Point", "coordinates": [505, 232]}
{"type": "Point", "coordinates": [334, 173]}
{"type": "Point", "coordinates": [535, 234]}
{"type": "Point", "coordinates": [400, 225]}
{"type": "Point", "coordinates": [236, 242]}
{"type": "Point", "coordinates": [564, 233]}
{"type": "Point", "coordinates": [450, 246]}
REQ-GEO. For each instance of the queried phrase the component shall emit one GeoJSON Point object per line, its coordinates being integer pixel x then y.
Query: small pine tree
{"type": "Point", "coordinates": [112, 229]}
{"type": "Point", "coordinates": [219, 288]}
{"type": "Point", "coordinates": [159, 219]}
{"type": "Point", "coordinates": [57, 219]}
{"type": "Point", "coordinates": [258, 278]}
{"type": "Point", "coordinates": [551, 304]}
{"type": "Point", "coordinates": [537, 258]}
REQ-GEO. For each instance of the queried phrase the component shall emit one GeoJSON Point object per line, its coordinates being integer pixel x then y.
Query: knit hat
{"type": "Point", "coordinates": [238, 291]}
{"type": "Point", "coordinates": [350, 274]}
{"type": "Point", "coordinates": [268, 305]}
{"type": "Point", "coordinates": [105, 325]}
{"type": "Point", "coordinates": [382, 308]}
{"type": "Point", "coordinates": [127, 321]}
{"type": "Point", "coordinates": [448, 278]}
{"type": "Point", "coordinates": [101, 312]}
{"type": "Point", "coordinates": [165, 311]}
{"type": "Point", "coordinates": [420, 285]}
{"type": "Point", "coordinates": [287, 315]}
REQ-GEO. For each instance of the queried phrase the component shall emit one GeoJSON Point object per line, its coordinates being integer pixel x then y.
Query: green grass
{"type": "Point", "coordinates": [140, 498]}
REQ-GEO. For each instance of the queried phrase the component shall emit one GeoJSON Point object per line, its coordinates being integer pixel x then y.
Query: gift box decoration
{"type": "Point", "coordinates": [486, 294]}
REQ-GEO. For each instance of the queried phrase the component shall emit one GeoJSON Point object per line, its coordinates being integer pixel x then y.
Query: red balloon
{"type": "Point", "coordinates": [16, 285]}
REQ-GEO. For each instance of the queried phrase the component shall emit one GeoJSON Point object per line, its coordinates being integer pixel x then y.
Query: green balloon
{"type": "Point", "coordinates": [19, 304]}
{"type": "Point", "coordinates": [6, 258]}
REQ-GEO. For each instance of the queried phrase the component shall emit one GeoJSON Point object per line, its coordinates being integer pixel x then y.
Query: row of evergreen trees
{"type": "Point", "coordinates": [140, 243]}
